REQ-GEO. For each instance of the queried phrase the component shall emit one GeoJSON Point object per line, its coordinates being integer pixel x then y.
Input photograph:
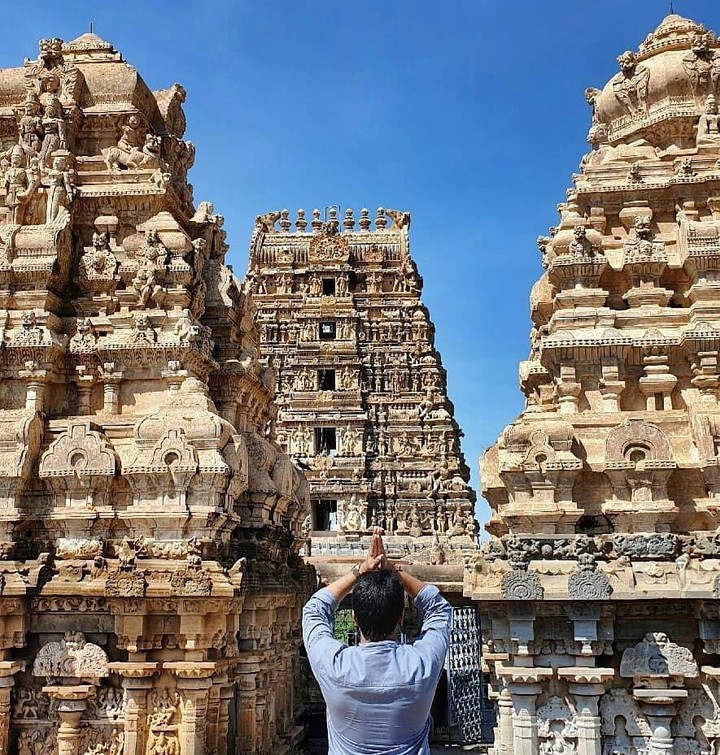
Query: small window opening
{"type": "Point", "coordinates": [327, 331]}
{"type": "Point", "coordinates": [325, 440]}
{"type": "Point", "coordinates": [659, 402]}
{"type": "Point", "coordinates": [328, 286]}
{"type": "Point", "coordinates": [325, 515]}
{"type": "Point", "coordinates": [326, 380]}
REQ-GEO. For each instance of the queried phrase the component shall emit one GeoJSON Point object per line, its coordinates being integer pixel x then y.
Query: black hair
{"type": "Point", "coordinates": [378, 599]}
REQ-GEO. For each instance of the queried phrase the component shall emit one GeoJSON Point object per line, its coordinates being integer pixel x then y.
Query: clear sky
{"type": "Point", "coordinates": [468, 113]}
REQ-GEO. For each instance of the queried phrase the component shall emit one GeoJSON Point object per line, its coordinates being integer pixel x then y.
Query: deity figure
{"type": "Point", "coordinates": [84, 340]}
{"type": "Point", "coordinates": [314, 286]}
{"type": "Point", "coordinates": [415, 524]}
{"type": "Point", "coordinates": [50, 75]}
{"type": "Point", "coordinates": [353, 516]}
{"type": "Point", "coordinates": [60, 190]}
{"type": "Point", "coordinates": [703, 66]}
{"type": "Point", "coordinates": [150, 258]}
{"type": "Point", "coordinates": [144, 331]}
{"type": "Point", "coordinates": [708, 128]}
{"type": "Point", "coordinates": [580, 245]}
{"type": "Point", "coordinates": [30, 126]}
{"type": "Point", "coordinates": [18, 184]}
{"type": "Point", "coordinates": [99, 261]}
{"type": "Point", "coordinates": [458, 523]}
{"type": "Point", "coordinates": [630, 86]}
{"type": "Point", "coordinates": [374, 283]}
{"type": "Point", "coordinates": [131, 139]}
{"type": "Point", "coordinates": [341, 285]}
{"type": "Point", "coordinates": [54, 130]}
{"type": "Point", "coordinates": [641, 243]}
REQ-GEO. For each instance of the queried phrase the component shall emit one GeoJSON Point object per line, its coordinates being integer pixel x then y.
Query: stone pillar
{"type": "Point", "coordinates": [525, 734]}
{"type": "Point", "coordinates": [85, 383]}
{"type": "Point", "coordinates": [193, 684]}
{"type": "Point", "coordinates": [136, 681]}
{"type": "Point", "coordinates": [226, 697]}
{"type": "Point", "coordinates": [35, 387]}
{"type": "Point", "coordinates": [504, 742]}
{"type": "Point", "coordinates": [524, 685]}
{"type": "Point", "coordinates": [247, 676]}
{"type": "Point", "coordinates": [8, 669]}
{"type": "Point", "coordinates": [72, 702]}
{"type": "Point", "coordinates": [659, 705]}
{"type": "Point", "coordinates": [587, 685]}
{"type": "Point", "coordinates": [213, 709]}
{"type": "Point", "coordinates": [111, 388]}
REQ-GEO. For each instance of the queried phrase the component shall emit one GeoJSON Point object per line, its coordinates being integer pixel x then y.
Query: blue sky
{"type": "Point", "coordinates": [469, 114]}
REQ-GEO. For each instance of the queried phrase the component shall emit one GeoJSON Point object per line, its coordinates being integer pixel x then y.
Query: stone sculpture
{"type": "Point", "coordinates": [362, 388]}
{"type": "Point", "coordinates": [148, 528]}
{"type": "Point", "coordinates": [598, 589]}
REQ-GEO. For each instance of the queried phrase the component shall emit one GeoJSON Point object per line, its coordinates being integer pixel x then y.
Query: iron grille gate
{"type": "Point", "coordinates": [465, 682]}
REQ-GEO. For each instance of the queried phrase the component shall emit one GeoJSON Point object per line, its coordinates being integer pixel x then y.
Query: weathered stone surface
{"type": "Point", "coordinates": [605, 488]}
{"type": "Point", "coordinates": [149, 530]}
{"type": "Point", "coordinates": [362, 398]}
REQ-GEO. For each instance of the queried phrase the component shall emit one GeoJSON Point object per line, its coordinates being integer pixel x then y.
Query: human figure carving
{"type": "Point", "coordinates": [630, 86]}
{"type": "Point", "coordinates": [703, 66]}
{"type": "Point", "coordinates": [54, 130]}
{"type": "Point", "coordinates": [30, 126]}
{"type": "Point", "coordinates": [18, 185]}
{"type": "Point", "coordinates": [708, 128]}
{"type": "Point", "coordinates": [60, 191]}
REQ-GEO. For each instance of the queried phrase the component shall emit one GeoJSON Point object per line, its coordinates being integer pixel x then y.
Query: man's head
{"type": "Point", "coordinates": [378, 598]}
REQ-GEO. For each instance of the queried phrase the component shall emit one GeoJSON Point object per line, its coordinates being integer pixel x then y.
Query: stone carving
{"type": "Point", "coordinates": [521, 585]}
{"type": "Point", "coordinates": [657, 655]}
{"type": "Point", "coordinates": [556, 728]}
{"type": "Point", "coordinates": [381, 386]}
{"type": "Point", "coordinates": [136, 418]}
{"type": "Point", "coordinates": [98, 264]}
{"type": "Point", "coordinates": [658, 545]}
{"type": "Point", "coordinates": [703, 66]}
{"type": "Point", "coordinates": [38, 741]}
{"type": "Point", "coordinates": [71, 658]}
{"type": "Point", "coordinates": [588, 583]}
{"type": "Point", "coordinates": [631, 84]}
{"type": "Point", "coordinates": [622, 385]}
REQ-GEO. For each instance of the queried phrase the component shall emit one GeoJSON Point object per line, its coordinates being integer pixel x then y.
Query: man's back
{"type": "Point", "coordinates": [378, 694]}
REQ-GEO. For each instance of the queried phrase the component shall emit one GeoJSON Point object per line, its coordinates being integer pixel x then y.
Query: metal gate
{"type": "Point", "coordinates": [467, 704]}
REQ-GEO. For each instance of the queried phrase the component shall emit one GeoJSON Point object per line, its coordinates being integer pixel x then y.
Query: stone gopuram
{"type": "Point", "coordinates": [600, 587]}
{"type": "Point", "coordinates": [362, 400]}
{"type": "Point", "coordinates": [150, 588]}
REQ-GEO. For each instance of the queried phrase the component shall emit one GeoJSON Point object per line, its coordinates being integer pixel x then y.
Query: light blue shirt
{"type": "Point", "coordinates": [378, 694]}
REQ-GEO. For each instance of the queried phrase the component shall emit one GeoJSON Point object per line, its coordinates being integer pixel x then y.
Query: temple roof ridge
{"type": "Point", "coordinates": [279, 221]}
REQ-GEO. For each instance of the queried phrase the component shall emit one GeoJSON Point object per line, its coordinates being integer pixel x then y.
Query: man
{"type": "Point", "coordinates": [378, 693]}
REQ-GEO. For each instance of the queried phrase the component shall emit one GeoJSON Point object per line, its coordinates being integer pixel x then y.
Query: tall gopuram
{"type": "Point", "coordinates": [362, 400]}
{"type": "Point", "coordinates": [150, 586]}
{"type": "Point", "coordinates": [599, 589]}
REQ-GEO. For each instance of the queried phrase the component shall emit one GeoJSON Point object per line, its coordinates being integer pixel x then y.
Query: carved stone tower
{"type": "Point", "coordinates": [600, 584]}
{"type": "Point", "coordinates": [149, 584]}
{"type": "Point", "coordinates": [362, 398]}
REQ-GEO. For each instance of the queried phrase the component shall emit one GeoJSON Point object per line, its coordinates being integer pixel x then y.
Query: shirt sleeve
{"type": "Point", "coordinates": [434, 636]}
{"type": "Point", "coordinates": [317, 625]}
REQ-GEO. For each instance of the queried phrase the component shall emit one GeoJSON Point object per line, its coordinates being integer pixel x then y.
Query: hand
{"type": "Point", "coordinates": [376, 559]}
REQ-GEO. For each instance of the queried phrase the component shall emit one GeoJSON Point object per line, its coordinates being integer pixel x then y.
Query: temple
{"type": "Point", "coordinates": [598, 587]}
{"type": "Point", "coordinates": [150, 586]}
{"type": "Point", "coordinates": [362, 400]}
